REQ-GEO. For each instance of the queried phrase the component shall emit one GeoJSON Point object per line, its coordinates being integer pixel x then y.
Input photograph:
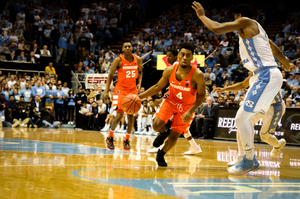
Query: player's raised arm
{"type": "Point", "coordinates": [113, 67]}
{"type": "Point", "coordinates": [236, 87]}
{"type": "Point", "coordinates": [140, 72]}
{"type": "Point", "coordinates": [280, 56]}
{"type": "Point", "coordinates": [220, 28]}
{"type": "Point", "coordinates": [164, 80]}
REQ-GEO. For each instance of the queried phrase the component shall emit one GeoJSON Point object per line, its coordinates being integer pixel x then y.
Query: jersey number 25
{"type": "Point", "coordinates": [130, 73]}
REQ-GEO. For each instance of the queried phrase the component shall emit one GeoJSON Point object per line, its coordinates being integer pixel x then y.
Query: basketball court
{"type": "Point", "coordinates": [61, 164]}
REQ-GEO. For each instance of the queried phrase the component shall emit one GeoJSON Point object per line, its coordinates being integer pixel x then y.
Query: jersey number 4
{"type": "Point", "coordinates": [179, 95]}
{"type": "Point", "coordinates": [130, 73]}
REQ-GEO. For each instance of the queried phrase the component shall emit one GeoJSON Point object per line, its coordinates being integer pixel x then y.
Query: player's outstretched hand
{"type": "Point", "coordinates": [216, 90]}
{"type": "Point", "coordinates": [199, 9]}
{"type": "Point", "coordinates": [106, 95]}
{"type": "Point", "coordinates": [292, 68]}
{"type": "Point", "coordinates": [186, 117]}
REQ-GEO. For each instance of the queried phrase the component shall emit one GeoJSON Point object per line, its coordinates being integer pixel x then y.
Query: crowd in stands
{"type": "Point", "coordinates": [224, 66]}
{"type": "Point", "coordinates": [58, 33]}
{"type": "Point", "coordinates": [29, 26]}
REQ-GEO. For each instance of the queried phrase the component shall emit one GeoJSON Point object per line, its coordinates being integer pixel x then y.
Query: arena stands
{"type": "Point", "coordinates": [81, 37]}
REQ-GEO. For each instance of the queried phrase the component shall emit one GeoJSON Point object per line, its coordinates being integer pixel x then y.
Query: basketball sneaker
{"type": "Point", "coordinates": [276, 151]}
{"type": "Point", "coordinates": [236, 161]}
{"type": "Point", "coordinates": [153, 150]}
{"type": "Point", "coordinates": [110, 143]}
{"type": "Point", "coordinates": [160, 159]}
{"type": "Point", "coordinates": [126, 144]}
{"type": "Point", "coordinates": [244, 167]}
{"type": "Point", "coordinates": [159, 140]}
{"type": "Point", "coordinates": [193, 150]}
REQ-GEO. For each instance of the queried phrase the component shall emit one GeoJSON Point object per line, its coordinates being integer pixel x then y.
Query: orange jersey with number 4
{"type": "Point", "coordinates": [127, 73]}
{"type": "Point", "coordinates": [181, 92]}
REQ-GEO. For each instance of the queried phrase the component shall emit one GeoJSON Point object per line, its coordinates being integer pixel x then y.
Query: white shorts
{"type": "Point", "coordinates": [264, 86]}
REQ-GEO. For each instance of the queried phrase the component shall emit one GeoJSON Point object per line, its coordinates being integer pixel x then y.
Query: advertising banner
{"type": "Point", "coordinates": [92, 79]}
{"type": "Point", "coordinates": [288, 127]}
{"type": "Point", "coordinates": [162, 62]}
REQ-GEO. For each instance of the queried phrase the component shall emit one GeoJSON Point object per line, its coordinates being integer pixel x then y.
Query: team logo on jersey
{"type": "Point", "coordinates": [249, 103]}
{"type": "Point", "coordinates": [187, 83]}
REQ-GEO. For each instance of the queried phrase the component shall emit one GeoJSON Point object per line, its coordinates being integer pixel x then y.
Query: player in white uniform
{"type": "Point", "coordinates": [270, 121]}
{"type": "Point", "coordinates": [256, 52]}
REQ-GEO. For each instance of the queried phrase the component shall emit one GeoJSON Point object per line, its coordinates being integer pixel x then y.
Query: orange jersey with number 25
{"type": "Point", "coordinates": [127, 73]}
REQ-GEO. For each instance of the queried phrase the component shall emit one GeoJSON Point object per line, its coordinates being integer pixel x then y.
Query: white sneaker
{"type": "Point", "coordinates": [105, 128]}
{"type": "Point", "coordinates": [236, 161]}
{"type": "Point", "coordinates": [276, 152]}
{"type": "Point", "coordinates": [153, 150]}
{"type": "Point", "coordinates": [117, 129]}
{"type": "Point", "coordinates": [193, 151]}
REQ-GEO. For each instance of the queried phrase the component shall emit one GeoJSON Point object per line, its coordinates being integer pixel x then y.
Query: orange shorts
{"type": "Point", "coordinates": [169, 109]}
{"type": "Point", "coordinates": [118, 95]}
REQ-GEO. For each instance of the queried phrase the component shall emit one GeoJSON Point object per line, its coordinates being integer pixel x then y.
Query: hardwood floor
{"type": "Point", "coordinates": [58, 163]}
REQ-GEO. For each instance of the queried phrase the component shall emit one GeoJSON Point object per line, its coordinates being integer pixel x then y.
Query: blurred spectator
{"type": "Point", "coordinates": [32, 58]}
{"type": "Point", "coordinates": [12, 56]}
{"type": "Point", "coordinates": [289, 102]}
{"type": "Point", "coordinates": [45, 51]}
{"type": "Point", "coordinates": [63, 45]}
{"type": "Point", "coordinates": [48, 117]}
{"type": "Point", "coordinates": [22, 57]}
{"type": "Point", "coordinates": [50, 70]}
{"type": "Point", "coordinates": [5, 116]}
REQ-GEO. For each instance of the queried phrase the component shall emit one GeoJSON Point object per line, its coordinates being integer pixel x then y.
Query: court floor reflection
{"type": "Point", "coordinates": [38, 163]}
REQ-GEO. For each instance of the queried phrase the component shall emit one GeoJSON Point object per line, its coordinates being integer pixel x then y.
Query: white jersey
{"type": "Point", "coordinates": [256, 52]}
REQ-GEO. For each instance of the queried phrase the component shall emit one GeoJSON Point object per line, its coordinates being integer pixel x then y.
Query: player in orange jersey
{"type": "Point", "coordinates": [180, 102]}
{"type": "Point", "coordinates": [129, 68]}
{"type": "Point", "coordinates": [194, 148]}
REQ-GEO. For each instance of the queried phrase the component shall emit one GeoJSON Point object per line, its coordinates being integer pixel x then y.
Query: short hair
{"type": "Point", "coordinates": [187, 46]}
{"type": "Point", "coordinates": [244, 9]}
{"type": "Point", "coordinates": [127, 41]}
{"type": "Point", "coordinates": [173, 51]}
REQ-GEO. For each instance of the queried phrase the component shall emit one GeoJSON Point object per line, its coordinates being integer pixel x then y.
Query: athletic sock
{"type": "Point", "coordinates": [127, 137]}
{"type": "Point", "coordinates": [193, 143]}
{"type": "Point", "coordinates": [111, 133]}
{"type": "Point", "coordinates": [249, 154]}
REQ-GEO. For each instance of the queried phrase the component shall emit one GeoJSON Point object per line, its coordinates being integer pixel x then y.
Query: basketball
{"type": "Point", "coordinates": [131, 104]}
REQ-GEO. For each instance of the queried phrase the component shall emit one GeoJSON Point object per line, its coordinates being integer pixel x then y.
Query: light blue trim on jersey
{"type": "Point", "coordinates": [249, 45]}
{"type": "Point", "coordinates": [259, 70]}
{"type": "Point", "coordinates": [256, 90]}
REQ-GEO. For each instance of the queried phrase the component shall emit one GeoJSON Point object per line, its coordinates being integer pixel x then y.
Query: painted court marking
{"type": "Point", "coordinates": [193, 188]}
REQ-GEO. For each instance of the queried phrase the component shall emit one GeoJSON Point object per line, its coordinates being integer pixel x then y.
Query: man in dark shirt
{"type": "Point", "coordinates": [205, 117]}
{"type": "Point", "coordinates": [48, 117]}
{"type": "Point", "coordinates": [29, 19]}
{"type": "Point", "coordinates": [83, 41]}
{"type": "Point", "coordinates": [55, 35]}
{"type": "Point", "coordinates": [79, 99]}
